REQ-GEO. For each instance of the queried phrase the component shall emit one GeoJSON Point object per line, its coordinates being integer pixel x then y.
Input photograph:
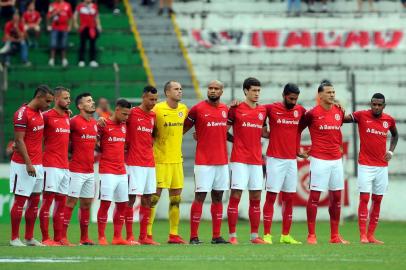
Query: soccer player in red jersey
{"type": "Point", "coordinates": [112, 171]}
{"type": "Point", "coordinates": [326, 167]}
{"type": "Point", "coordinates": [373, 127]}
{"type": "Point", "coordinates": [140, 163]}
{"type": "Point", "coordinates": [248, 122]}
{"type": "Point", "coordinates": [211, 163]}
{"type": "Point", "coordinates": [83, 138]}
{"type": "Point", "coordinates": [26, 172]}
{"type": "Point", "coordinates": [56, 164]}
{"type": "Point", "coordinates": [284, 118]}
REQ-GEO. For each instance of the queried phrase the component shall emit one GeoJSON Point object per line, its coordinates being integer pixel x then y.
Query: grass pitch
{"type": "Point", "coordinates": [392, 255]}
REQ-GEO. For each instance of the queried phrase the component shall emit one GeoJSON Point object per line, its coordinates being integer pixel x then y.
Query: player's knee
{"type": "Point", "coordinates": [154, 200]}
{"type": "Point", "coordinates": [174, 200]}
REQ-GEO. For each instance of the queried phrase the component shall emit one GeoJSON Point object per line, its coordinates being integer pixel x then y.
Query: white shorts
{"type": "Point", "coordinates": [281, 175]}
{"type": "Point", "coordinates": [141, 180]}
{"type": "Point", "coordinates": [21, 183]}
{"type": "Point", "coordinates": [113, 187]}
{"type": "Point", "coordinates": [81, 185]}
{"type": "Point", "coordinates": [372, 179]}
{"type": "Point", "coordinates": [211, 177]}
{"type": "Point", "coordinates": [56, 180]}
{"type": "Point", "coordinates": [246, 176]}
{"type": "Point", "coordinates": [326, 174]}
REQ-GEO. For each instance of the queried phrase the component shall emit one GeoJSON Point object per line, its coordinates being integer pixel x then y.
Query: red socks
{"type": "Point", "coordinates": [268, 211]}
{"type": "Point", "coordinates": [216, 210]}
{"type": "Point", "coordinates": [232, 214]}
{"type": "Point", "coordinates": [118, 218]}
{"type": "Point", "coordinates": [67, 214]}
{"type": "Point", "coordinates": [195, 215]}
{"type": "Point", "coordinates": [58, 217]}
{"type": "Point", "coordinates": [15, 214]}
{"type": "Point", "coordinates": [287, 208]}
{"type": "Point", "coordinates": [102, 217]}
{"type": "Point", "coordinates": [84, 216]}
{"type": "Point", "coordinates": [374, 213]}
{"type": "Point", "coordinates": [31, 215]}
{"type": "Point", "coordinates": [311, 210]}
{"type": "Point", "coordinates": [129, 220]}
{"type": "Point", "coordinates": [334, 210]}
{"type": "Point", "coordinates": [47, 199]}
{"type": "Point", "coordinates": [363, 213]}
{"type": "Point", "coordinates": [254, 213]}
{"type": "Point", "coordinates": [145, 212]}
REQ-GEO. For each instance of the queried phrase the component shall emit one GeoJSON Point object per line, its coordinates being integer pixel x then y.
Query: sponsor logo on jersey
{"type": "Point", "coordinates": [251, 125]}
{"type": "Point", "coordinates": [38, 128]}
{"type": "Point", "coordinates": [88, 137]}
{"type": "Point", "coordinates": [327, 127]}
{"type": "Point", "coordinates": [62, 130]}
{"type": "Point", "coordinates": [116, 139]}
{"type": "Point", "coordinates": [144, 129]}
{"type": "Point", "coordinates": [216, 124]}
{"type": "Point", "coordinates": [376, 132]}
{"type": "Point", "coordinates": [173, 124]}
{"type": "Point", "coordinates": [287, 122]}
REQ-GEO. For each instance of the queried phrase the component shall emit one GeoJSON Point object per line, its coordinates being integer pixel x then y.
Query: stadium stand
{"type": "Point", "coordinates": [116, 45]}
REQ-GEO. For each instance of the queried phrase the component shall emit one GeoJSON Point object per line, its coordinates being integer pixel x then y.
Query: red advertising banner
{"type": "Point", "coordinates": [303, 191]}
{"type": "Point", "coordinates": [300, 39]}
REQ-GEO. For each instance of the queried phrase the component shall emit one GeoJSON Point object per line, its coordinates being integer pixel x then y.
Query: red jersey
{"type": "Point", "coordinates": [87, 15]}
{"type": "Point", "coordinates": [140, 126]}
{"type": "Point", "coordinates": [112, 143]}
{"type": "Point", "coordinates": [31, 122]}
{"type": "Point", "coordinates": [247, 125]}
{"type": "Point", "coordinates": [63, 11]}
{"type": "Point", "coordinates": [56, 139]}
{"type": "Point", "coordinates": [83, 137]}
{"type": "Point", "coordinates": [373, 132]}
{"type": "Point", "coordinates": [284, 130]}
{"type": "Point", "coordinates": [325, 132]}
{"type": "Point", "coordinates": [211, 130]}
{"type": "Point", "coordinates": [11, 30]}
{"type": "Point", "coordinates": [31, 17]}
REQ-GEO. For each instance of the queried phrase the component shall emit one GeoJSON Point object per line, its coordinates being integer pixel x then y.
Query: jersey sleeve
{"type": "Point", "coordinates": [231, 116]}
{"type": "Point", "coordinates": [100, 131]}
{"type": "Point", "coordinates": [356, 116]}
{"type": "Point", "coordinates": [392, 123]}
{"type": "Point", "coordinates": [21, 119]}
{"type": "Point", "coordinates": [192, 115]}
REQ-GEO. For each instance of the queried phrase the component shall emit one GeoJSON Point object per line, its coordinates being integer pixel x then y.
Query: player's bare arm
{"type": "Point", "coordinates": [22, 149]}
{"type": "Point", "coordinates": [393, 142]}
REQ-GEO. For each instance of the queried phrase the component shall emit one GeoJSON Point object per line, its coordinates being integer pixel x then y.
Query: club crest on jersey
{"type": "Point", "coordinates": [180, 114]}
{"type": "Point", "coordinates": [95, 128]}
{"type": "Point", "coordinates": [20, 113]}
{"type": "Point", "coordinates": [67, 121]}
{"type": "Point", "coordinates": [224, 114]}
{"type": "Point", "coordinates": [337, 117]}
{"type": "Point", "coordinates": [260, 116]}
{"type": "Point", "coordinates": [123, 129]}
{"type": "Point", "coordinates": [152, 121]}
{"type": "Point", "coordinates": [385, 124]}
{"type": "Point", "coordinates": [295, 113]}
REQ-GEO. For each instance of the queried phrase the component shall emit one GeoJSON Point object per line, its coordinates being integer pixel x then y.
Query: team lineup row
{"type": "Point", "coordinates": [141, 155]}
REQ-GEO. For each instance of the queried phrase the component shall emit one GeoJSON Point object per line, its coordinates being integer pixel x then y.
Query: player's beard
{"type": "Point", "coordinates": [213, 99]}
{"type": "Point", "coordinates": [289, 106]}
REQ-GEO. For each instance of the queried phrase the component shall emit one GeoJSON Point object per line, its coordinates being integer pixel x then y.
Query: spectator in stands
{"type": "Point", "coordinates": [370, 3]}
{"type": "Point", "coordinates": [113, 5]}
{"type": "Point", "coordinates": [73, 4]}
{"type": "Point", "coordinates": [294, 5]}
{"type": "Point", "coordinates": [403, 3]}
{"type": "Point", "coordinates": [42, 6]}
{"type": "Point", "coordinates": [165, 4]}
{"type": "Point", "coordinates": [89, 26]}
{"type": "Point", "coordinates": [7, 9]}
{"type": "Point", "coordinates": [15, 39]}
{"type": "Point", "coordinates": [32, 24]}
{"type": "Point", "coordinates": [103, 109]}
{"type": "Point", "coordinates": [59, 23]}
{"type": "Point", "coordinates": [22, 5]}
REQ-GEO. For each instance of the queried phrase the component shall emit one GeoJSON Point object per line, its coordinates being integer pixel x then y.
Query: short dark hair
{"type": "Point", "coordinates": [323, 84]}
{"type": "Point", "coordinates": [149, 89]}
{"type": "Point", "coordinates": [43, 90]}
{"type": "Point", "coordinates": [59, 89]}
{"type": "Point", "coordinates": [123, 103]}
{"type": "Point", "coordinates": [291, 88]}
{"type": "Point", "coordinates": [168, 85]}
{"type": "Point", "coordinates": [248, 82]}
{"type": "Point", "coordinates": [378, 96]}
{"type": "Point", "coordinates": [79, 98]}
